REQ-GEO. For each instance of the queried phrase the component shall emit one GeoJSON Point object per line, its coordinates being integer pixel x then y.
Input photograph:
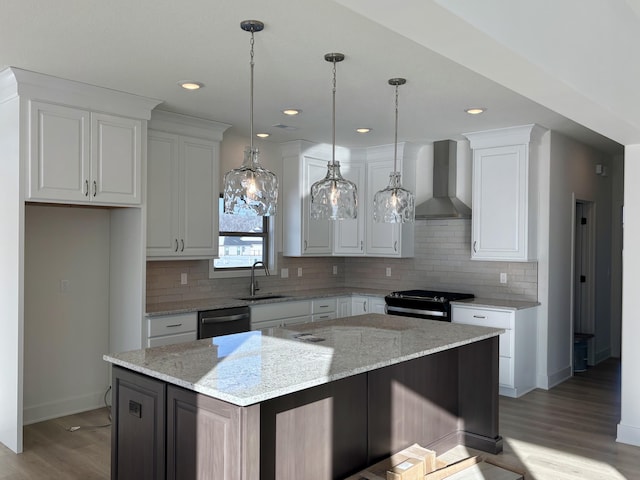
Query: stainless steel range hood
{"type": "Point", "coordinates": [445, 202]}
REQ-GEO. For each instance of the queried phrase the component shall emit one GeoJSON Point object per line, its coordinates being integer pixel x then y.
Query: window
{"type": "Point", "coordinates": [243, 240]}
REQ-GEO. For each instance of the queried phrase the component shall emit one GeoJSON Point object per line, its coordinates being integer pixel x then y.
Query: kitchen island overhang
{"type": "Point", "coordinates": [332, 396]}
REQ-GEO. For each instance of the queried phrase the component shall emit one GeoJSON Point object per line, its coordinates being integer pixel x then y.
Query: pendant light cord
{"type": "Point", "coordinates": [395, 140]}
{"type": "Point", "coordinates": [333, 150]}
{"type": "Point", "coordinates": [251, 63]}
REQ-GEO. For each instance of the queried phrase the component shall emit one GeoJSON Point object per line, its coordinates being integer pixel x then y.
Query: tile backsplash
{"type": "Point", "coordinates": [442, 262]}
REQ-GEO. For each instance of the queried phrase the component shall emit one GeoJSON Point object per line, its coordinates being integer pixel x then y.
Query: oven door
{"type": "Point", "coordinates": [417, 309]}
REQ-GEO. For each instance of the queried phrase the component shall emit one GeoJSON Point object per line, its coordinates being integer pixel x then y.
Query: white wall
{"type": "Point", "coordinates": [572, 174]}
{"type": "Point", "coordinates": [629, 426]}
{"type": "Point", "coordinates": [66, 329]}
{"type": "Point", "coordinates": [11, 277]}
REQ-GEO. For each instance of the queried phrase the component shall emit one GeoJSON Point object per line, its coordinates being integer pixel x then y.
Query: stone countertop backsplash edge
{"type": "Point", "coordinates": [188, 306]}
{"type": "Point", "coordinates": [497, 303]}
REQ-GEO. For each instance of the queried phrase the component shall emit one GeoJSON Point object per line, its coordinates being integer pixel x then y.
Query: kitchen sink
{"type": "Point", "coordinates": [262, 297]}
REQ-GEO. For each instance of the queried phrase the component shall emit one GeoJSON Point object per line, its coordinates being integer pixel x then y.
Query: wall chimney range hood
{"type": "Point", "coordinates": [445, 202]}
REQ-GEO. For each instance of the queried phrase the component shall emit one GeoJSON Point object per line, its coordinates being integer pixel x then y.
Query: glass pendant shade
{"type": "Point", "coordinates": [394, 204]}
{"type": "Point", "coordinates": [333, 197]}
{"type": "Point", "coordinates": [250, 189]}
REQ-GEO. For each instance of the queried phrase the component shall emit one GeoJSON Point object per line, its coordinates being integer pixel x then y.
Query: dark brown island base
{"type": "Point", "coordinates": [318, 403]}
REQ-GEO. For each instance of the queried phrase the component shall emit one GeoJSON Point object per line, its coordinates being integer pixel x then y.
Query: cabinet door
{"type": "Point", "coordinates": [199, 198]}
{"type": "Point", "coordinates": [499, 221]}
{"type": "Point", "coordinates": [344, 307]}
{"type": "Point", "coordinates": [116, 159]}
{"type": "Point", "coordinates": [376, 305]}
{"type": "Point", "coordinates": [383, 239]}
{"type": "Point", "coordinates": [163, 206]}
{"type": "Point", "coordinates": [138, 432]}
{"type": "Point", "coordinates": [359, 305]}
{"type": "Point", "coordinates": [317, 235]}
{"type": "Point", "coordinates": [349, 234]}
{"type": "Point", "coordinates": [59, 153]}
{"type": "Point", "coordinates": [204, 437]}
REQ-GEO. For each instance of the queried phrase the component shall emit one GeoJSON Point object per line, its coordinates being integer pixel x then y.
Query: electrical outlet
{"type": "Point", "coordinates": [65, 286]}
{"type": "Point", "coordinates": [388, 272]}
{"type": "Point", "coordinates": [335, 269]}
{"type": "Point", "coordinates": [183, 279]}
{"type": "Point", "coordinates": [284, 273]}
{"type": "Point", "coordinates": [503, 277]}
{"type": "Point", "coordinates": [299, 271]}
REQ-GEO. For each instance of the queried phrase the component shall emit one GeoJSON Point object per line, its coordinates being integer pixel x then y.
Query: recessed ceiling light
{"type": "Point", "coordinates": [190, 85]}
{"type": "Point", "coordinates": [262, 135]}
{"type": "Point", "coordinates": [363, 130]}
{"type": "Point", "coordinates": [475, 111]}
{"type": "Point", "coordinates": [291, 111]}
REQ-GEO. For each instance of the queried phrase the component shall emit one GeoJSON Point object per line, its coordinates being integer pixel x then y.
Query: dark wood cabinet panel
{"type": "Point", "coordinates": [205, 438]}
{"type": "Point", "coordinates": [316, 434]}
{"type": "Point", "coordinates": [138, 428]}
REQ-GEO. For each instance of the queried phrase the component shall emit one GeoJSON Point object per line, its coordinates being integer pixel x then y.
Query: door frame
{"type": "Point", "coordinates": [588, 249]}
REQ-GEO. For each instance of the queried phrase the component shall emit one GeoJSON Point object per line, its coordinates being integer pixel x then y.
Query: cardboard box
{"type": "Point", "coordinates": [379, 470]}
{"type": "Point", "coordinates": [408, 469]}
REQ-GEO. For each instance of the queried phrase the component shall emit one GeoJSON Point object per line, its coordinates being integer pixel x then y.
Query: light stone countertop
{"type": "Point", "coordinates": [251, 367]}
{"type": "Point", "coordinates": [187, 306]}
{"type": "Point", "coordinates": [496, 303]}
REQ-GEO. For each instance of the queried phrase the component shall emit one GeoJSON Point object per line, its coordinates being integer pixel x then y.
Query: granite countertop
{"type": "Point", "coordinates": [187, 306]}
{"type": "Point", "coordinates": [251, 367]}
{"type": "Point", "coordinates": [497, 303]}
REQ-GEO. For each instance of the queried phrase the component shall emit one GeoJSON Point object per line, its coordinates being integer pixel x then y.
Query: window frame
{"type": "Point", "coordinates": [267, 250]}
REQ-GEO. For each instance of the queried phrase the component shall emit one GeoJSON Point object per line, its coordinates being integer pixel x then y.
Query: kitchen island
{"type": "Point", "coordinates": [319, 402]}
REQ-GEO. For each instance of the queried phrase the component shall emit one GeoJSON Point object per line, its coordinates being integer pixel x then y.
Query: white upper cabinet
{"type": "Point", "coordinates": [80, 156]}
{"type": "Point", "coordinates": [86, 144]}
{"type": "Point", "coordinates": [306, 163]}
{"type": "Point", "coordinates": [505, 195]}
{"type": "Point", "coordinates": [389, 239]}
{"type": "Point", "coordinates": [349, 234]}
{"type": "Point", "coordinates": [182, 187]}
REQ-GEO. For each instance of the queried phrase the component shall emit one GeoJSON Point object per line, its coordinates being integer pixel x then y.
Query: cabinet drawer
{"type": "Point", "coordinates": [323, 305]}
{"type": "Point", "coordinates": [482, 317]}
{"type": "Point", "coordinates": [278, 311]}
{"type": "Point", "coordinates": [172, 324]}
{"type": "Point", "coordinates": [318, 317]}
{"type": "Point", "coordinates": [171, 339]}
{"type": "Point", "coordinates": [266, 324]}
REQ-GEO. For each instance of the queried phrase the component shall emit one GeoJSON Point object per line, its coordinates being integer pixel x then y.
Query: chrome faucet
{"type": "Point", "coordinates": [253, 287]}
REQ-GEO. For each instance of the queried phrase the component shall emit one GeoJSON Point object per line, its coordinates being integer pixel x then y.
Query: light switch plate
{"type": "Point", "coordinates": [388, 272]}
{"type": "Point", "coordinates": [299, 271]}
{"type": "Point", "coordinates": [284, 273]}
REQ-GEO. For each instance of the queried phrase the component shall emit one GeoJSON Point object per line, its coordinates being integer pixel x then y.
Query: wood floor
{"type": "Point", "coordinates": [567, 433]}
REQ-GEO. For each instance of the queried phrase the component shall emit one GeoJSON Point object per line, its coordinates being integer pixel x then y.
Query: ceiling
{"type": "Point", "coordinates": [146, 46]}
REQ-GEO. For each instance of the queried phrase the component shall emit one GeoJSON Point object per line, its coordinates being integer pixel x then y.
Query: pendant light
{"type": "Point", "coordinates": [251, 189]}
{"type": "Point", "coordinates": [333, 197]}
{"type": "Point", "coordinates": [394, 204]}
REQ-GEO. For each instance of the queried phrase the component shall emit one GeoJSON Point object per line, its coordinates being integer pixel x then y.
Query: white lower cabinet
{"type": "Point", "coordinates": [361, 304]}
{"type": "Point", "coordinates": [343, 307]}
{"type": "Point", "coordinates": [324, 309]}
{"type": "Point", "coordinates": [517, 344]}
{"type": "Point", "coordinates": [280, 314]}
{"type": "Point", "coordinates": [169, 329]}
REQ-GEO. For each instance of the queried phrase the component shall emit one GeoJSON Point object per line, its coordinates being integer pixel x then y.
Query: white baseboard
{"type": "Point", "coordinates": [628, 434]}
{"type": "Point", "coordinates": [547, 382]}
{"type": "Point", "coordinates": [63, 407]}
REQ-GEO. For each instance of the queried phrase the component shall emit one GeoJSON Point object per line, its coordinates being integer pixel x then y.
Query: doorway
{"type": "Point", "coordinates": [583, 304]}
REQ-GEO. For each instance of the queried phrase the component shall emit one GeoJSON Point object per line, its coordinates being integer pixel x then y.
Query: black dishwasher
{"type": "Point", "coordinates": [223, 321]}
